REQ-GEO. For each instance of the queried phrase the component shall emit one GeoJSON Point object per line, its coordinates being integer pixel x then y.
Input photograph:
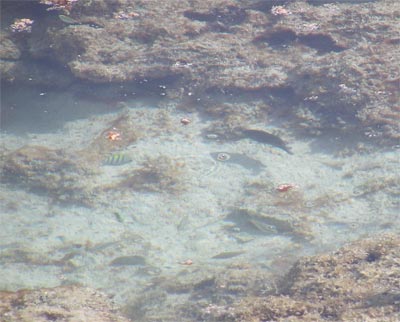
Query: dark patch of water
{"type": "Point", "coordinates": [281, 39]}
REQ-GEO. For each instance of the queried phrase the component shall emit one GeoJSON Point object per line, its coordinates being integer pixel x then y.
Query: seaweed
{"type": "Point", "coordinates": [128, 132]}
{"type": "Point", "coordinates": [161, 174]}
{"type": "Point", "coordinates": [51, 171]}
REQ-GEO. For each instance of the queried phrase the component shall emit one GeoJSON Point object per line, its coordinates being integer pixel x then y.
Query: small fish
{"type": "Point", "coordinates": [254, 223]}
{"type": "Point", "coordinates": [68, 20]}
{"type": "Point", "coordinates": [128, 261]}
{"type": "Point", "coordinates": [265, 137]}
{"type": "Point", "coordinates": [117, 159]}
{"type": "Point", "coordinates": [249, 163]}
{"type": "Point", "coordinates": [226, 255]}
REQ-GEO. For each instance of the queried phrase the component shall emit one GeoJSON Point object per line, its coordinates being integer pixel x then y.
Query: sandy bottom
{"type": "Point", "coordinates": [44, 243]}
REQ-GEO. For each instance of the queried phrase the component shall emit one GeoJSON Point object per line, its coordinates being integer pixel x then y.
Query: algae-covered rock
{"type": "Point", "coordinates": [198, 293]}
{"type": "Point", "coordinates": [9, 50]}
{"type": "Point", "coordinates": [64, 303]}
{"type": "Point", "coordinates": [160, 174]}
{"type": "Point", "coordinates": [265, 210]}
{"type": "Point", "coordinates": [41, 169]}
{"type": "Point", "coordinates": [300, 52]}
{"type": "Point", "coordinates": [356, 283]}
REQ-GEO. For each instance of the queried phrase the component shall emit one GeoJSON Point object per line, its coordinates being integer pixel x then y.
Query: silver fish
{"type": "Point", "coordinates": [249, 163]}
{"type": "Point", "coordinates": [68, 20]}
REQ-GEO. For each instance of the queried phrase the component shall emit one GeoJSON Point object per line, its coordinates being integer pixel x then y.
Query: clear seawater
{"type": "Point", "coordinates": [128, 234]}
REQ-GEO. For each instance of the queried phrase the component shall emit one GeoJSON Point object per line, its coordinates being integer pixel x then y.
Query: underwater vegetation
{"type": "Point", "coordinates": [160, 174]}
{"type": "Point", "coordinates": [354, 283]}
{"type": "Point", "coordinates": [273, 209]}
{"type": "Point", "coordinates": [51, 171]}
{"type": "Point", "coordinates": [62, 303]}
{"type": "Point", "coordinates": [121, 132]}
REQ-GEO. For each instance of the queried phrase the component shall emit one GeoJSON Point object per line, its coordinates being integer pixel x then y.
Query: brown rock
{"type": "Point", "coordinates": [64, 303]}
{"type": "Point", "coordinates": [359, 282]}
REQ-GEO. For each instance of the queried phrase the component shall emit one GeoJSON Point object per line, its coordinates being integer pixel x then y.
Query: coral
{"type": "Point", "coordinates": [22, 25]}
{"type": "Point", "coordinates": [65, 5]}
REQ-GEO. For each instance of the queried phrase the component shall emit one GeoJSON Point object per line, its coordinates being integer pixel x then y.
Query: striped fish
{"type": "Point", "coordinates": [117, 159]}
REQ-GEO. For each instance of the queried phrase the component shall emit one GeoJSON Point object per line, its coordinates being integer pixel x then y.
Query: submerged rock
{"type": "Point", "coordinates": [64, 303]}
{"type": "Point", "coordinates": [305, 58]}
{"type": "Point", "coordinates": [359, 282]}
{"type": "Point", "coordinates": [41, 169]}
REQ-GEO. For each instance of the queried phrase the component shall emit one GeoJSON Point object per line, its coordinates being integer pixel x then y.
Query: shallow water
{"type": "Point", "coordinates": [153, 228]}
{"type": "Point", "coordinates": [144, 230]}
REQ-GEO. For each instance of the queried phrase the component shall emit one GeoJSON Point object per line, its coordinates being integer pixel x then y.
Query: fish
{"type": "Point", "coordinates": [128, 261]}
{"type": "Point", "coordinates": [117, 159]}
{"type": "Point", "coordinates": [249, 163]}
{"type": "Point", "coordinates": [265, 137]}
{"type": "Point", "coordinates": [68, 20]}
{"type": "Point", "coordinates": [255, 223]}
{"type": "Point", "coordinates": [226, 255]}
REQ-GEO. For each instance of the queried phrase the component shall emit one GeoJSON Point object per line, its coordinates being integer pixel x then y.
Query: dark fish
{"type": "Point", "coordinates": [129, 260]}
{"type": "Point", "coordinates": [265, 137]}
{"type": "Point", "coordinates": [249, 163]}
{"type": "Point", "coordinates": [117, 159]}
{"type": "Point", "coordinates": [226, 255]}
{"type": "Point", "coordinates": [254, 223]}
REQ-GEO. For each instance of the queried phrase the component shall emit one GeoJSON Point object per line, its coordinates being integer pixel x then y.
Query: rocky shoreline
{"type": "Point", "coordinates": [330, 56]}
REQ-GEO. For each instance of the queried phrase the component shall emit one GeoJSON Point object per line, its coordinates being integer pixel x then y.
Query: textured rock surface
{"type": "Point", "coordinates": [332, 56]}
{"type": "Point", "coordinates": [65, 303]}
{"type": "Point", "coordinates": [41, 169]}
{"type": "Point", "coordinates": [359, 282]}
